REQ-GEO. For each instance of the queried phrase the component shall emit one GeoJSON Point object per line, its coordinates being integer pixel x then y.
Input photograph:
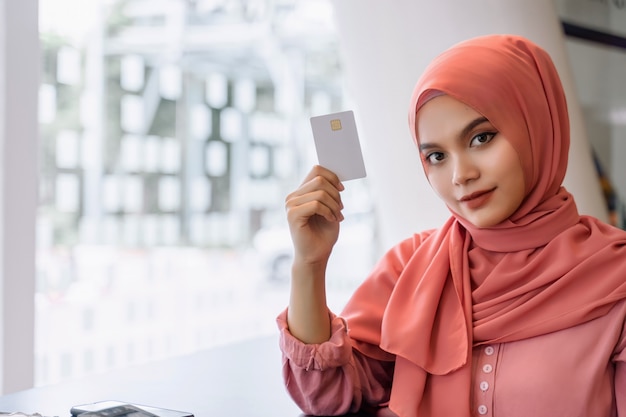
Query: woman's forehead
{"type": "Point", "coordinates": [444, 117]}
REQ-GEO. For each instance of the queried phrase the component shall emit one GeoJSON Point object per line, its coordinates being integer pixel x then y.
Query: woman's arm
{"type": "Point", "coordinates": [313, 213]}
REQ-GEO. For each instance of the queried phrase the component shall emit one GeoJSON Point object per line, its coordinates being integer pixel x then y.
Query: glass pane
{"type": "Point", "coordinates": [171, 133]}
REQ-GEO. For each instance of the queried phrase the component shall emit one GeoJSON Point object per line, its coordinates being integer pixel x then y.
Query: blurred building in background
{"type": "Point", "coordinates": [171, 132]}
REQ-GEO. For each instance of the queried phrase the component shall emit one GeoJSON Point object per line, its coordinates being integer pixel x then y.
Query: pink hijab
{"type": "Point", "coordinates": [544, 269]}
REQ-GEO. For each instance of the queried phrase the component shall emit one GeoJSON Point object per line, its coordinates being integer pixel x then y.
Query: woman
{"type": "Point", "coordinates": [516, 306]}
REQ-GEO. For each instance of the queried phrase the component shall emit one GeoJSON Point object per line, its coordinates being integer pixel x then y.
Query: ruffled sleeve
{"type": "Point", "coordinates": [331, 378]}
{"type": "Point", "coordinates": [334, 353]}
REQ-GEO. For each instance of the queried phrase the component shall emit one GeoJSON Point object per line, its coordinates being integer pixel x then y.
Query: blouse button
{"type": "Point", "coordinates": [482, 410]}
{"type": "Point", "coordinates": [487, 368]}
{"type": "Point", "coordinates": [484, 386]}
{"type": "Point", "coordinates": [489, 350]}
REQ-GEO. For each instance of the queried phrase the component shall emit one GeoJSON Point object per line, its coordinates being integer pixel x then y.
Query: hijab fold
{"type": "Point", "coordinates": [550, 268]}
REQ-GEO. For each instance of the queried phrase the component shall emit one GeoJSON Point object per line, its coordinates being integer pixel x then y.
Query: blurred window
{"type": "Point", "coordinates": [171, 131]}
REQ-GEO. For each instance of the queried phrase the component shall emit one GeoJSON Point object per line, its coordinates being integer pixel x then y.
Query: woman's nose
{"type": "Point", "coordinates": [464, 170]}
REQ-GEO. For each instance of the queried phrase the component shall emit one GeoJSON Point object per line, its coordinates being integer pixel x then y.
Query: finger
{"type": "Point", "coordinates": [314, 203]}
{"type": "Point", "coordinates": [330, 176]}
{"type": "Point", "coordinates": [303, 215]}
{"type": "Point", "coordinates": [316, 184]}
{"type": "Point", "coordinates": [318, 188]}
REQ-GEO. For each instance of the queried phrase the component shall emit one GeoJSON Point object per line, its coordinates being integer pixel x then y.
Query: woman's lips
{"type": "Point", "coordinates": [477, 199]}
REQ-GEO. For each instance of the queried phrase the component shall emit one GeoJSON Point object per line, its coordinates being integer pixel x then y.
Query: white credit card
{"type": "Point", "coordinates": [337, 144]}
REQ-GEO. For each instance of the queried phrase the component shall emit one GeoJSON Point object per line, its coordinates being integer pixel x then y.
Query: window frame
{"type": "Point", "coordinates": [19, 86]}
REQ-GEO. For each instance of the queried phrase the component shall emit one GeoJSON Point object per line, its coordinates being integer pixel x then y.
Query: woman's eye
{"type": "Point", "coordinates": [434, 157]}
{"type": "Point", "coordinates": [482, 138]}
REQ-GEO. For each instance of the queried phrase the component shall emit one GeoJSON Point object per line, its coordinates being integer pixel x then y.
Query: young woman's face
{"type": "Point", "coordinates": [472, 166]}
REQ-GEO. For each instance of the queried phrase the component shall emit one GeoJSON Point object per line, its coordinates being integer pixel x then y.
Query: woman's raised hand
{"type": "Point", "coordinates": [314, 213]}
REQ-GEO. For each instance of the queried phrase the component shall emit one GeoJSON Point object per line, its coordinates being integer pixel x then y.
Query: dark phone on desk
{"type": "Point", "coordinates": [102, 405]}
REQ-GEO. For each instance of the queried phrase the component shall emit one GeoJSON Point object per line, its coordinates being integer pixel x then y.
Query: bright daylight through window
{"type": "Point", "coordinates": [171, 131]}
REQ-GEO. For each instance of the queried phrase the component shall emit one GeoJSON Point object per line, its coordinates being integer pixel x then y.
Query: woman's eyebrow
{"type": "Point", "coordinates": [464, 132]}
{"type": "Point", "coordinates": [471, 125]}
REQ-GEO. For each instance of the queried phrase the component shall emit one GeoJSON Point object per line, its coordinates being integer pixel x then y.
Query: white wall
{"type": "Point", "coordinates": [385, 50]}
{"type": "Point", "coordinates": [19, 82]}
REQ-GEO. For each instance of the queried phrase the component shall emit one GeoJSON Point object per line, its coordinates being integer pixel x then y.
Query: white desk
{"type": "Point", "coordinates": [243, 379]}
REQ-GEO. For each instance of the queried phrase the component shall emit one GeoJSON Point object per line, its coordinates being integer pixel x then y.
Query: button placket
{"type": "Point", "coordinates": [484, 380]}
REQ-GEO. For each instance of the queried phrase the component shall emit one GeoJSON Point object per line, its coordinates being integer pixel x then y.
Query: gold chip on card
{"type": "Point", "coordinates": [335, 124]}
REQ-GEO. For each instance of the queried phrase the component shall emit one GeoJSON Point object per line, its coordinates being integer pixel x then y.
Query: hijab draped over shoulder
{"type": "Point", "coordinates": [545, 269]}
